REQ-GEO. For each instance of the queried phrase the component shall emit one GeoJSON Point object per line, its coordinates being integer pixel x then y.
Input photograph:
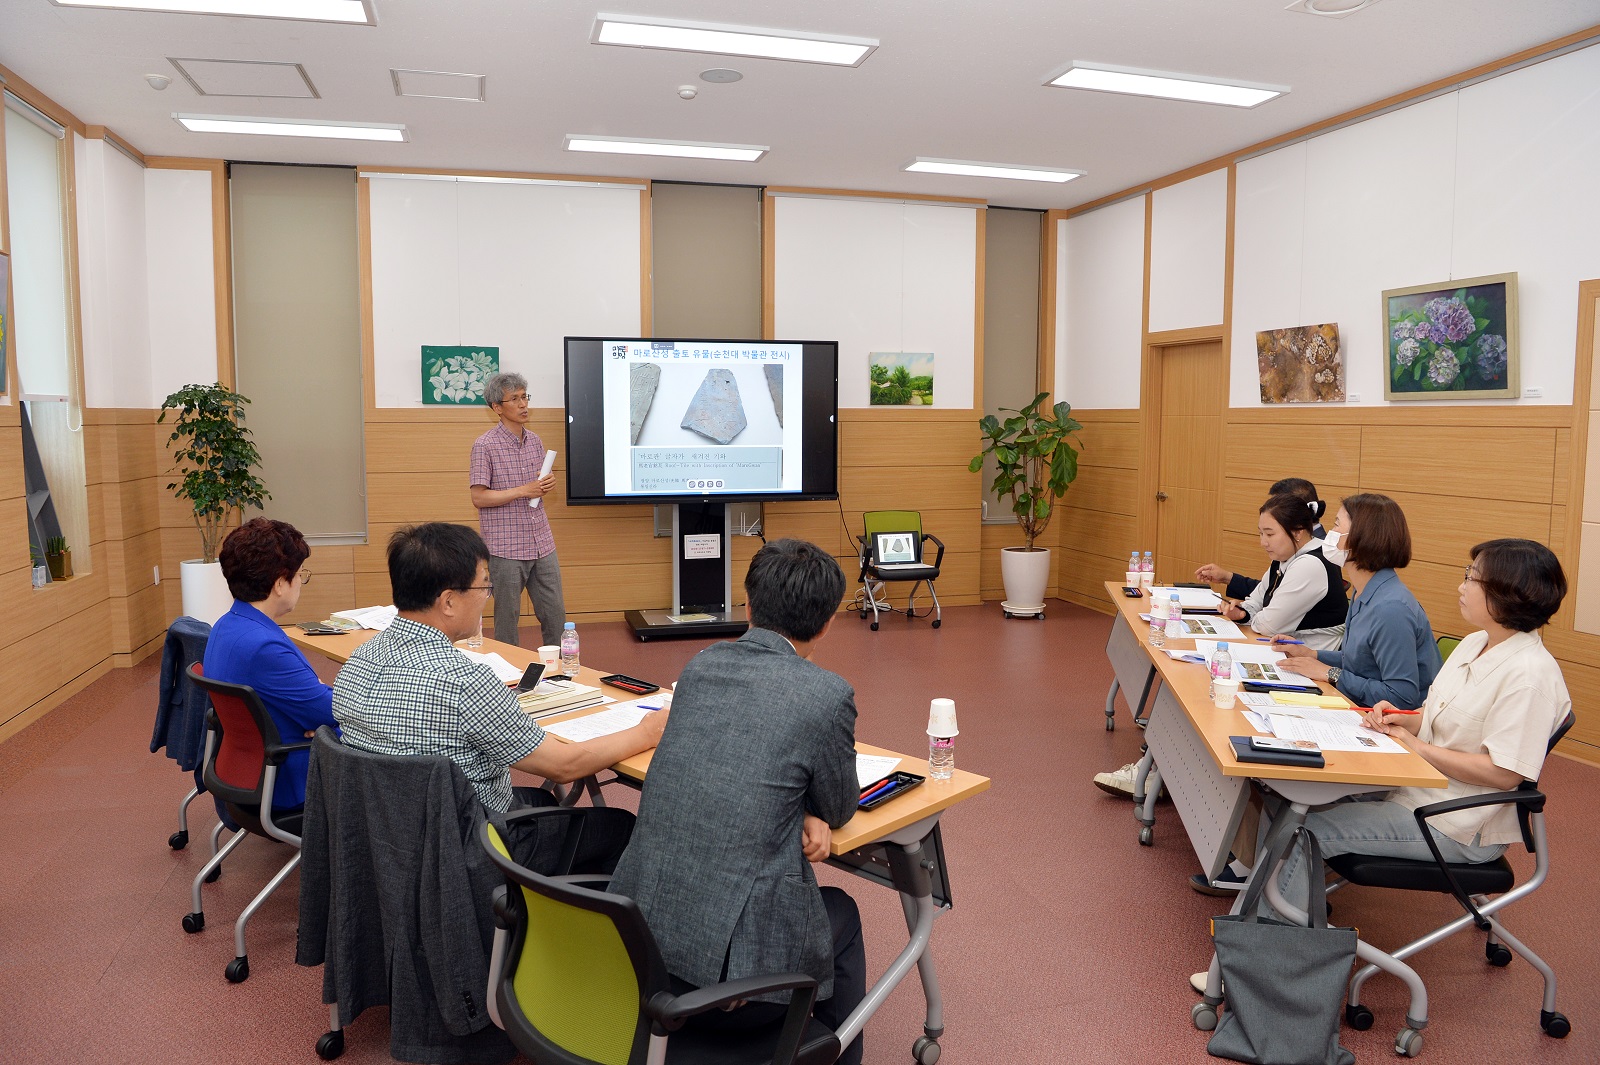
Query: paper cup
{"type": "Point", "coordinates": [1224, 693]}
{"type": "Point", "coordinates": [550, 655]}
{"type": "Point", "coordinates": [942, 718]}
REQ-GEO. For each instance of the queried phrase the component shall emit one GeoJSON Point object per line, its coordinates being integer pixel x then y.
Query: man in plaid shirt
{"type": "Point", "coordinates": [408, 691]}
{"type": "Point", "coordinates": [505, 484]}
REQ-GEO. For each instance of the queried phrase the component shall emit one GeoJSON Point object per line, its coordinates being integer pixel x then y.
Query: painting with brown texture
{"type": "Point", "coordinates": [1300, 365]}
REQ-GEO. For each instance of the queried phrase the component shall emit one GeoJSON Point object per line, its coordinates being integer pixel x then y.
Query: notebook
{"type": "Point", "coordinates": [893, 550]}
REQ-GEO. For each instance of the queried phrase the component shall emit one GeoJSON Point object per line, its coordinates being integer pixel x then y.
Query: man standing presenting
{"type": "Point", "coordinates": [505, 484]}
{"type": "Point", "coordinates": [754, 771]}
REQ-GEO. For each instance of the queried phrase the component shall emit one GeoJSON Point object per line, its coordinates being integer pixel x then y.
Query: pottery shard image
{"type": "Point", "coordinates": [716, 412]}
{"type": "Point", "coordinates": [774, 374]}
{"type": "Point", "coordinates": [643, 377]}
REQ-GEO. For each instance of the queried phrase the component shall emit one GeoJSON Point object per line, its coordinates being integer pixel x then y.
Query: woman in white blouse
{"type": "Point", "coordinates": [1486, 724]}
{"type": "Point", "coordinates": [1302, 595]}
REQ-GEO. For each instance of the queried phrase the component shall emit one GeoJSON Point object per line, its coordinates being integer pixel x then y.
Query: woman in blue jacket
{"type": "Point", "coordinates": [1388, 651]}
{"type": "Point", "coordinates": [263, 562]}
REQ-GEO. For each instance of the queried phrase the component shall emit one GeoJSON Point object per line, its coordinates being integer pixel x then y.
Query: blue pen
{"type": "Point", "coordinates": [886, 788]}
{"type": "Point", "coordinates": [1193, 658]}
{"type": "Point", "coordinates": [641, 706]}
{"type": "Point", "coordinates": [1269, 639]}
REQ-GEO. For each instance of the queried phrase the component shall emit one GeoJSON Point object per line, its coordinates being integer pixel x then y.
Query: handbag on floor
{"type": "Point", "coordinates": [1283, 983]}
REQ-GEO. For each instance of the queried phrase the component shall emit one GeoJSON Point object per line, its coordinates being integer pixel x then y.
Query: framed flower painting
{"type": "Point", "coordinates": [1452, 341]}
{"type": "Point", "coordinates": [455, 376]}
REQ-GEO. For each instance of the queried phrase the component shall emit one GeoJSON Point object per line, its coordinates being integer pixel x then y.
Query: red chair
{"type": "Point", "coordinates": [243, 753]}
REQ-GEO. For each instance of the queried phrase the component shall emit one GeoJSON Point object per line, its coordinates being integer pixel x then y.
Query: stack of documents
{"type": "Point", "coordinates": [556, 696]}
{"type": "Point", "coordinates": [1255, 662]}
{"type": "Point", "coordinates": [1330, 730]}
{"type": "Point", "coordinates": [368, 617]}
{"type": "Point", "coordinates": [503, 670]}
{"type": "Point", "coordinates": [874, 767]}
{"type": "Point", "coordinates": [1190, 598]}
{"type": "Point", "coordinates": [610, 720]}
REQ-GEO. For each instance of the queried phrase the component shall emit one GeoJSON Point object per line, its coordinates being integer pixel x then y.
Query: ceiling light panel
{"type": "Point", "coordinates": [1330, 8]}
{"type": "Point", "coordinates": [439, 85]}
{"type": "Point", "coordinates": [350, 12]}
{"type": "Point", "coordinates": [965, 168]}
{"type": "Point", "coordinates": [741, 153]}
{"type": "Point", "coordinates": [238, 77]}
{"type": "Point", "coordinates": [1099, 77]}
{"type": "Point", "coordinates": [291, 127]}
{"type": "Point", "coordinates": [633, 31]}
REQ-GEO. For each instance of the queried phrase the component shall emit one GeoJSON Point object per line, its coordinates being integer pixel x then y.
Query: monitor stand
{"type": "Point", "coordinates": [702, 578]}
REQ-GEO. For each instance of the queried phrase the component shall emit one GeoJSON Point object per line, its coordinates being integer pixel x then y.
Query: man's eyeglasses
{"type": "Point", "coordinates": [486, 588]}
{"type": "Point", "coordinates": [520, 397]}
{"type": "Point", "coordinates": [305, 576]}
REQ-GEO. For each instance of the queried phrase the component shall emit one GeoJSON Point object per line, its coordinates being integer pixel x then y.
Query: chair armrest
{"type": "Point", "coordinates": [673, 1010]}
{"type": "Point", "coordinates": [938, 559]}
{"type": "Point", "coordinates": [275, 755]}
{"type": "Point", "coordinates": [1529, 801]}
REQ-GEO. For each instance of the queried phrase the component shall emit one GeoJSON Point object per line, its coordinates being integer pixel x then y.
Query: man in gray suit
{"type": "Point", "coordinates": [755, 770]}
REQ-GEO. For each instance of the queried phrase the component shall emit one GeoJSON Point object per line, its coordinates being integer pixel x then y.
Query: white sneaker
{"type": "Point", "coordinates": [1119, 782]}
{"type": "Point", "coordinates": [1198, 981]}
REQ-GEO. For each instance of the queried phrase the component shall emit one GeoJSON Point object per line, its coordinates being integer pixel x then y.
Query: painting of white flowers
{"type": "Point", "coordinates": [455, 375]}
{"type": "Point", "coordinates": [1300, 365]}
{"type": "Point", "coordinates": [1452, 341]}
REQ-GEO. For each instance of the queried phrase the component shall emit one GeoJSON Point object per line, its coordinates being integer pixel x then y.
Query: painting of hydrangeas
{"type": "Point", "coordinates": [455, 375]}
{"type": "Point", "coordinates": [1452, 341]}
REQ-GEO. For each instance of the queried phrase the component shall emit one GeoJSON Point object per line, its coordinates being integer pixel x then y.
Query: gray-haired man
{"type": "Point", "coordinates": [505, 481]}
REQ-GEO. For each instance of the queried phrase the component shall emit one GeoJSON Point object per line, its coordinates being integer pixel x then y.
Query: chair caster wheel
{"type": "Point", "coordinates": [874, 626]}
{"type": "Point", "coordinates": [193, 922]}
{"type": "Point", "coordinates": [1498, 954]}
{"type": "Point", "coordinates": [1111, 724]}
{"type": "Point", "coordinates": [1554, 1024]}
{"type": "Point", "coordinates": [178, 840]}
{"type": "Point", "coordinates": [1408, 1044]}
{"type": "Point", "coordinates": [331, 1045]}
{"type": "Point", "coordinates": [1006, 613]}
{"type": "Point", "coordinates": [1358, 1017]}
{"type": "Point", "coordinates": [238, 970]}
{"type": "Point", "coordinates": [925, 1051]}
{"type": "Point", "coordinates": [1204, 1016]}
{"type": "Point", "coordinates": [1039, 616]}
{"type": "Point", "coordinates": [936, 622]}
{"type": "Point", "coordinates": [211, 877]}
{"type": "Point", "coordinates": [1147, 837]}
{"type": "Point", "coordinates": [863, 615]}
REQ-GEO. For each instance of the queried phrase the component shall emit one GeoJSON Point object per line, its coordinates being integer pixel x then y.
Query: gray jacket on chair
{"type": "Point", "coordinates": [758, 737]}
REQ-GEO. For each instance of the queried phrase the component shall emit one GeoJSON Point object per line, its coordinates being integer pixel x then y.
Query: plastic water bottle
{"type": "Point", "coordinates": [1159, 609]}
{"type": "Point", "coordinates": [1147, 572]}
{"type": "Point", "coordinates": [1131, 578]}
{"type": "Point", "coordinates": [569, 649]}
{"type": "Point", "coordinates": [1221, 665]}
{"type": "Point", "coordinates": [942, 734]}
{"type": "Point", "coordinates": [1174, 618]}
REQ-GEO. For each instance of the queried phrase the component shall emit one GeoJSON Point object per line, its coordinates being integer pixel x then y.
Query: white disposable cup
{"type": "Point", "coordinates": [1224, 691]}
{"type": "Point", "coordinates": [942, 718]}
{"type": "Point", "coordinates": [550, 656]}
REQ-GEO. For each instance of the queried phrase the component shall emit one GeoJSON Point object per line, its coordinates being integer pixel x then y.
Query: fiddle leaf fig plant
{"type": "Point", "coordinates": [1035, 460]}
{"type": "Point", "coordinates": [216, 456]}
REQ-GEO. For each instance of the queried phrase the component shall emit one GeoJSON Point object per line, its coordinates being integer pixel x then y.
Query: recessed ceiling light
{"type": "Point", "coordinates": [721, 76]}
{"type": "Point", "coordinates": [742, 153]}
{"type": "Point", "coordinates": [1330, 8]}
{"type": "Point", "coordinates": [921, 165]}
{"type": "Point", "coordinates": [1102, 78]}
{"type": "Point", "coordinates": [291, 127]}
{"type": "Point", "coordinates": [347, 11]}
{"type": "Point", "coordinates": [633, 31]}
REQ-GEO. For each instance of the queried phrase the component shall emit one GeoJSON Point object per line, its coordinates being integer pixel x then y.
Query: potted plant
{"type": "Point", "coordinates": [41, 573]}
{"type": "Point", "coordinates": [218, 461]}
{"type": "Point", "coordinates": [59, 558]}
{"type": "Point", "coordinates": [1035, 462]}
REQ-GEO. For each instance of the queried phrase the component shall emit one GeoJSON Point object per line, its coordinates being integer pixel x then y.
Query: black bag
{"type": "Point", "coordinates": [1283, 983]}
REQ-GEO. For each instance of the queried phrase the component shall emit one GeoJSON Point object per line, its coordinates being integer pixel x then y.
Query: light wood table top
{"type": "Point", "coordinates": [929, 798]}
{"type": "Point", "coordinates": [1190, 684]}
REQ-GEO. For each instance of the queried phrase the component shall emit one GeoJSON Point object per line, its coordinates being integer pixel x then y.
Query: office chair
{"type": "Point", "coordinates": [576, 979]}
{"type": "Point", "coordinates": [1471, 885]}
{"type": "Point", "coordinates": [180, 724]}
{"type": "Point", "coordinates": [1447, 645]}
{"type": "Point", "coordinates": [877, 573]}
{"type": "Point", "coordinates": [243, 753]}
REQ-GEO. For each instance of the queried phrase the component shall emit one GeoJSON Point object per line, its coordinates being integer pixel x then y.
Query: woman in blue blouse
{"type": "Point", "coordinates": [262, 561]}
{"type": "Point", "coordinates": [1388, 651]}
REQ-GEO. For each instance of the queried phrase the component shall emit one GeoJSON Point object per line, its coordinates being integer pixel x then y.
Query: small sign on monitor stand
{"type": "Point", "coordinates": [702, 545]}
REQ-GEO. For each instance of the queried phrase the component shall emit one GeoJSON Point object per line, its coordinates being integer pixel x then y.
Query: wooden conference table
{"type": "Point", "coordinates": [1187, 749]}
{"type": "Point", "coordinates": [897, 845]}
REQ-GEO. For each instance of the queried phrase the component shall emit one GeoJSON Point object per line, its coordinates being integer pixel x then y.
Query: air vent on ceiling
{"type": "Point", "coordinates": [439, 85]}
{"type": "Point", "coordinates": [1330, 8]}
{"type": "Point", "coordinates": [241, 77]}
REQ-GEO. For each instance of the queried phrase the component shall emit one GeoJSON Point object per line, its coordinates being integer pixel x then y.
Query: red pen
{"type": "Point", "coordinates": [1368, 710]}
{"type": "Point", "coordinates": [870, 788]}
{"type": "Point", "coordinates": [887, 785]}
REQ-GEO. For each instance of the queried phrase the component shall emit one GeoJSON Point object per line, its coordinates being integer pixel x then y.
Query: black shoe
{"type": "Point", "coordinates": [1224, 886]}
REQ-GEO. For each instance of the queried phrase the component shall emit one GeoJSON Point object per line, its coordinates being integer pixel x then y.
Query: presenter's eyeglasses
{"type": "Point", "coordinates": [517, 397]}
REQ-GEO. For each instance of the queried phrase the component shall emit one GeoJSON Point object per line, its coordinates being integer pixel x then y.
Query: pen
{"type": "Point", "coordinates": [1193, 658]}
{"type": "Point", "coordinates": [881, 792]}
{"type": "Point", "coordinates": [1368, 710]}
{"type": "Point", "coordinates": [1279, 639]}
{"type": "Point", "coordinates": [874, 786]}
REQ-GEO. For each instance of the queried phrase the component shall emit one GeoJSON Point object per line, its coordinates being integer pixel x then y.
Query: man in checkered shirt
{"type": "Point", "coordinates": [505, 484]}
{"type": "Point", "coordinates": [408, 691]}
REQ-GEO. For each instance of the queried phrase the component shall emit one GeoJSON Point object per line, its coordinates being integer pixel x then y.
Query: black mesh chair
{"type": "Point", "coordinates": [1471, 884]}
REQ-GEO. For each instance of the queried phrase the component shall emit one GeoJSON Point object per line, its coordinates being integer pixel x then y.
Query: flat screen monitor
{"type": "Point", "coordinates": [653, 420]}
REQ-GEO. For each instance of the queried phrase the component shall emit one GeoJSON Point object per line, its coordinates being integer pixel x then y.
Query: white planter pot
{"type": "Point", "coordinates": [1025, 573]}
{"type": "Point", "coordinates": [205, 593]}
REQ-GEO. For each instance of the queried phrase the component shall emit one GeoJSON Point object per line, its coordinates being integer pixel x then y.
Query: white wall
{"type": "Point", "coordinates": [113, 278]}
{"type": "Point", "coordinates": [1497, 177]}
{"type": "Point", "coordinates": [879, 275]}
{"type": "Point", "coordinates": [1100, 306]}
{"type": "Point", "coordinates": [513, 266]}
{"type": "Point", "coordinates": [1188, 249]}
{"type": "Point", "coordinates": [182, 289]}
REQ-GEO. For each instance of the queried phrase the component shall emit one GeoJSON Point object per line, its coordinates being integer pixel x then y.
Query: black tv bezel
{"type": "Point", "coordinates": [686, 497]}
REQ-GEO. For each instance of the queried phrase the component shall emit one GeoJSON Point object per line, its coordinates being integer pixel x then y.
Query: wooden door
{"type": "Point", "coordinates": [1193, 384]}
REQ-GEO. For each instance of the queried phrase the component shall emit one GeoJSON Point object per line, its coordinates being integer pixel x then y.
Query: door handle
{"type": "Point", "coordinates": [1161, 497]}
